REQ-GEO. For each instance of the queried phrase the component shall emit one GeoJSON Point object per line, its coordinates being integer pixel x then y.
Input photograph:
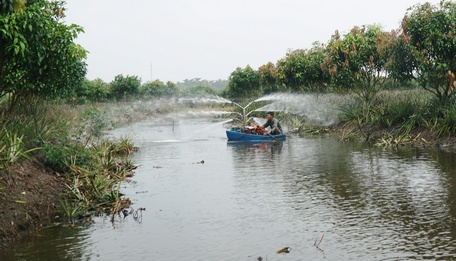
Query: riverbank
{"type": "Point", "coordinates": [28, 197]}
{"type": "Point", "coordinates": [387, 137]}
{"type": "Point", "coordinates": [31, 184]}
{"type": "Point", "coordinates": [29, 193]}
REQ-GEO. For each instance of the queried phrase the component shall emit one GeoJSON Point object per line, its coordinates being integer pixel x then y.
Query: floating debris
{"type": "Point", "coordinates": [199, 162]}
{"type": "Point", "coordinates": [119, 206]}
{"type": "Point", "coordinates": [284, 250]}
{"type": "Point", "coordinates": [137, 215]}
{"type": "Point", "coordinates": [317, 245]}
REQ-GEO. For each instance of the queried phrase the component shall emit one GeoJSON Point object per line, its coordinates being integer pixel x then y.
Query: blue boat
{"type": "Point", "coordinates": [235, 134]}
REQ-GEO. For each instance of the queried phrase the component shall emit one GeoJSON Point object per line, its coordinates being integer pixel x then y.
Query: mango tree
{"type": "Point", "coordinates": [301, 69]}
{"type": "Point", "coordinates": [356, 62]}
{"type": "Point", "coordinates": [158, 89]}
{"type": "Point", "coordinates": [124, 87]}
{"type": "Point", "coordinates": [268, 78]}
{"type": "Point", "coordinates": [38, 54]}
{"type": "Point", "coordinates": [95, 91]}
{"type": "Point", "coordinates": [429, 33]}
{"type": "Point", "coordinates": [244, 83]}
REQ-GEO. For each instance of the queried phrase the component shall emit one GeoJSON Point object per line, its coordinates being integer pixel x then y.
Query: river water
{"type": "Point", "coordinates": [326, 199]}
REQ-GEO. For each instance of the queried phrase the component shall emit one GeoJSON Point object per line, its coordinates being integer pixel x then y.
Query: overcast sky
{"type": "Point", "coordinates": [173, 40]}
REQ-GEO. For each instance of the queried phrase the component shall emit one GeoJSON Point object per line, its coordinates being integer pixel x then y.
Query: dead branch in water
{"type": "Point", "coordinates": [319, 242]}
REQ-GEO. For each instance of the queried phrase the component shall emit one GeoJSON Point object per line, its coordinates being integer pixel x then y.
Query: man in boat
{"type": "Point", "coordinates": [273, 123]}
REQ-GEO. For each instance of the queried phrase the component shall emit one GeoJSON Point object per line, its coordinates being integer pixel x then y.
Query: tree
{"type": "Point", "coordinates": [159, 89]}
{"type": "Point", "coordinates": [124, 88]}
{"type": "Point", "coordinates": [38, 54]}
{"type": "Point", "coordinates": [429, 33]}
{"type": "Point", "coordinates": [268, 78]}
{"type": "Point", "coordinates": [244, 83]}
{"type": "Point", "coordinates": [96, 90]}
{"type": "Point", "coordinates": [10, 6]}
{"type": "Point", "coordinates": [356, 61]}
{"type": "Point", "coordinates": [301, 69]}
{"type": "Point", "coordinates": [199, 91]}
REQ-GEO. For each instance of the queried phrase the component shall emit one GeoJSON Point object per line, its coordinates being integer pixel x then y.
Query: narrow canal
{"type": "Point", "coordinates": [326, 199]}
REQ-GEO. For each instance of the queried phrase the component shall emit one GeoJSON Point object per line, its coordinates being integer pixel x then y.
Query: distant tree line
{"type": "Point", "coordinates": [365, 60]}
{"type": "Point", "coordinates": [125, 88]}
{"type": "Point", "coordinates": [39, 58]}
{"type": "Point", "coordinates": [217, 85]}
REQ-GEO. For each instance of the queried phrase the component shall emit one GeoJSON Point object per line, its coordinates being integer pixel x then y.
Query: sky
{"type": "Point", "coordinates": [174, 40]}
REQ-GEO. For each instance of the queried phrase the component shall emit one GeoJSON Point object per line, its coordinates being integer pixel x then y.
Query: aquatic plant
{"type": "Point", "coordinates": [72, 209]}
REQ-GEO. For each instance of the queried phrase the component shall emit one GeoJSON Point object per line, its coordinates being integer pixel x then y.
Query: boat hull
{"type": "Point", "coordinates": [241, 136]}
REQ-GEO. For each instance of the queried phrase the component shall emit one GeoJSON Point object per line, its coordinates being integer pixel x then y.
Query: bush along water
{"type": "Point", "coordinates": [93, 176]}
{"type": "Point", "coordinates": [403, 117]}
{"type": "Point", "coordinates": [92, 168]}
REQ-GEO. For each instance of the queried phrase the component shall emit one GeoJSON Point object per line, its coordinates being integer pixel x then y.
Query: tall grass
{"type": "Point", "coordinates": [67, 139]}
{"type": "Point", "coordinates": [403, 113]}
{"type": "Point", "coordinates": [24, 130]}
{"type": "Point", "coordinates": [93, 172]}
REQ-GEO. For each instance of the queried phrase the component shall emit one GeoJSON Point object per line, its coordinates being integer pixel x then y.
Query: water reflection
{"type": "Point", "coordinates": [60, 243]}
{"type": "Point", "coordinates": [254, 148]}
{"type": "Point", "coordinates": [251, 199]}
{"type": "Point", "coordinates": [379, 202]}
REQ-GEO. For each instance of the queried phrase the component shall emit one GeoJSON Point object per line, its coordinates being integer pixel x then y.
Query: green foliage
{"type": "Point", "coordinates": [39, 56]}
{"type": "Point", "coordinates": [217, 85]}
{"type": "Point", "coordinates": [403, 112]}
{"type": "Point", "coordinates": [199, 91]}
{"type": "Point", "coordinates": [94, 122]}
{"type": "Point", "coordinates": [401, 59]}
{"type": "Point", "coordinates": [94, 91]}
{"type": "Point", "coordinates": [12, 148]}
{"type": "Point", "coordinates": [301, 69]}
{"type": "Point", "coordinates": [244, 83]}
{"type": "Point", "coordinates": [94, 182]}
{"type": "Point", "coordinates": [158, 89]}
{"type": "Point", "coordinates": [356, 62]}
{"type": "Point", "coordinates": [94, 173]}
{"type": "Point", "coordinates": [397, 113]}
{"type": "Point", "coordinates": [26, 128]}
{"type": "Point", "coordinates": [37, 131]}
{"type": "Point", "coordinates": [39, 122]}
{"type": "Point", "coordinates": [355, 112]}
{"type": "Point", "coordinates": [72, 208]}
{"type": "Point", "coordinates": [446, 125]}
{"type": "Point", "coordinates": [430, 32]}
{"type": "Point", "coordinates": [62, 155]}
{"type": "Point", "coordinates": [269, 79]}
{"type": "Point", "coordinates": [12, 6]}
{"type": "Point", "coordinates": [125, 88]}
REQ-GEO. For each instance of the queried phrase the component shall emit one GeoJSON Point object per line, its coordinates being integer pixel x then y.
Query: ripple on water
{"type": "Point", "coordinates": [251, 200]}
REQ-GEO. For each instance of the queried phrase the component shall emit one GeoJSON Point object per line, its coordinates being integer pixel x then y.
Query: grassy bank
{"type": "Point", "coordinates": [408, 117]}
{"type": "Point", "coordinates": [55, 164]}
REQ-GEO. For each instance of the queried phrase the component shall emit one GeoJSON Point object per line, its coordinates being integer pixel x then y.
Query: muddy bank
{"type": "Point", "coordinates": [28, 195]}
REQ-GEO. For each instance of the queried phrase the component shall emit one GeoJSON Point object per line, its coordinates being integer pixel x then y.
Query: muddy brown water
{"type": "Point", "coordinates": [325, 199]}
